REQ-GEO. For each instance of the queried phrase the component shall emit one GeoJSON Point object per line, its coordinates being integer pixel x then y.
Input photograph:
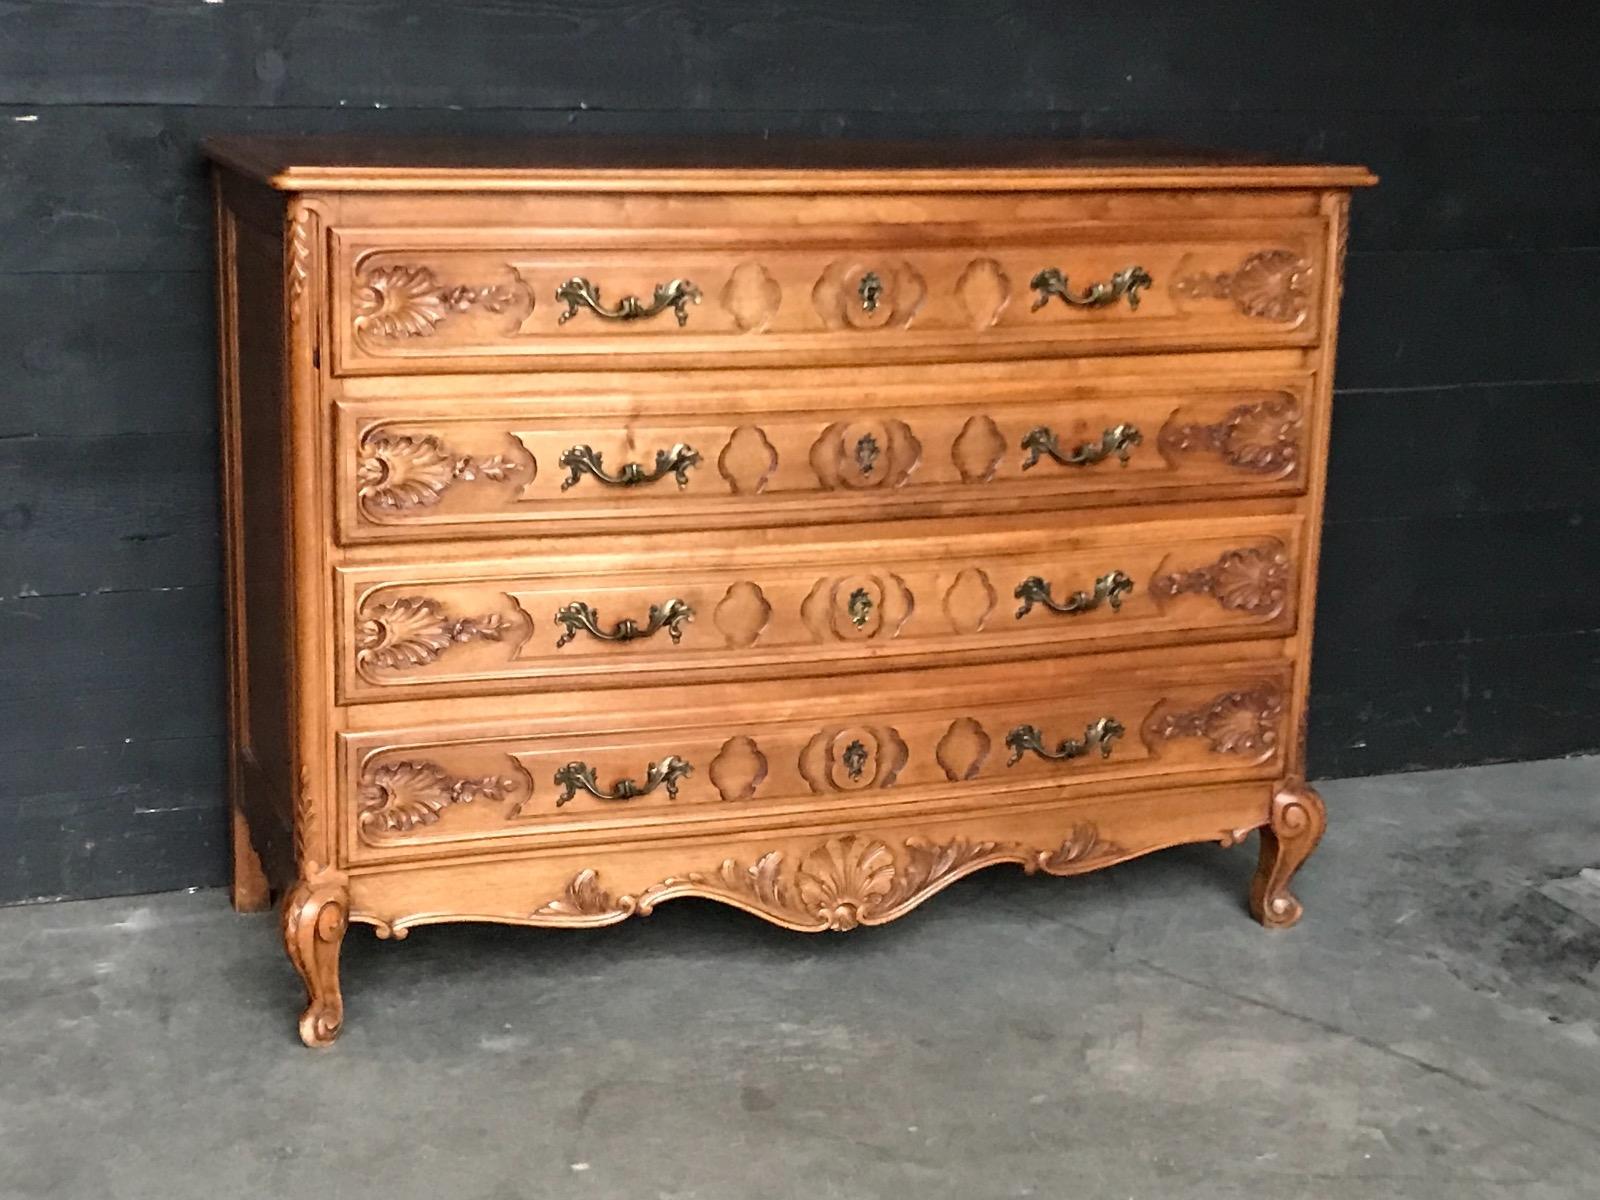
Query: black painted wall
{"type": "Point", "coordinates": [1461, 623]}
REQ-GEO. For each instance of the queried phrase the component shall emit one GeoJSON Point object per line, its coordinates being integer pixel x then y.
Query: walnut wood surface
{"type": "Point", "coordinates": [866, 574]}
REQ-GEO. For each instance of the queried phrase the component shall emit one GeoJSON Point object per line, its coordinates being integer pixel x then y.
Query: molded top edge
{"type": "Point", "coordinates": [724, 164]}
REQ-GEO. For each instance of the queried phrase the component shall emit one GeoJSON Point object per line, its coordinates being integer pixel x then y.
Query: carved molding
{"type": "Point", "coordinates": [1252, 580]}
{"type": "Point", "coordinates": [748, 460]}
{"type": "Point", "coordinates": [978, 449]}
{"type": "Point", "coordinates": [305, 825]}
{"type": "Point", "coordinates": [1273, 285]}
{"type": "Point", "coordinates": [1263, 438]}
{"type": "Point", "coordinates": [397, 797]}
{"type": "Point", "coordinates": [413, 631]}
{"type": "Point", "coordinates": [1241, 722]}
{"type": "Point", "coordinates": [840, 884]}
{"type": "Point", "coordinates": [397, 471]}
{"type": "Point", "coordinates": [407, 300]}
{"type": "Point", "coordinates": [751, 297]}
{"type": "Point", "coordinates": [299, 261]}
{"type": "Point", "coordinates": [984, 290]}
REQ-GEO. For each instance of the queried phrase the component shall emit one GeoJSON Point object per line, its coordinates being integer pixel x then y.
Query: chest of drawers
{"type": "Point", "coordinates": [802, 527]}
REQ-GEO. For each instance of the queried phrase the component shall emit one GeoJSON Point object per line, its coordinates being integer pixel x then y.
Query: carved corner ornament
{"type": "Point", "coordinates": [1298, 820]}
{"type": "Point", "coordinates": [1253, 580]}
{"type": "Point", "coordinates": [397, 797]}
{"type": "Point", "coordinates": [413, 631]}
{"type": "Point", "coordinates": [397, 471]}
{"type": "Point", "coordinates": [1262, 438]}
{"type": "Point", "coordinates": [843, 883]}
{"type": "Point", "coordinates": [405, 300]}
{"type": "Point", "coordinates": [1272, 285]}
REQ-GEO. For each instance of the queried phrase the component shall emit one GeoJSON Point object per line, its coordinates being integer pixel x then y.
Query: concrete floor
{"type": "Point", "coordinates": [1430, 1030]}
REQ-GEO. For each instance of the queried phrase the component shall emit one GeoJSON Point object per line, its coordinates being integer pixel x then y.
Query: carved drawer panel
{"type": "Point", "coordinates": [663, 612]}
{"type": "Point", "coordinates": [938, 742]}
{"type": "Point", "coordinates": [706, 456]}
{"type": "Point", "coordinates": [435, 300]}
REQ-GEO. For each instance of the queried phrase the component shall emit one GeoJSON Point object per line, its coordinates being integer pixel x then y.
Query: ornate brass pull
{"type": "Point", "coordinates": [1051, 282]}
{"type": "Point", "coordinates": [1097, 734]}
{"type": "Point", "coordinates": [665, 773]}
{"type": "Point", "coordinates": [1108, 589]}
{"type": "Point", "coordinates": [1119, 440]}
{"type": "Point", "coordinates": [578, 615]}
{"type": "Point", "coordinates": [585, 459]}
{"type": "Point", "coordinates": [676, 294]}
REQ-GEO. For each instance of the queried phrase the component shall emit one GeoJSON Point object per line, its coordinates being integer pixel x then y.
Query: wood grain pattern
{"type": "Point", "coordinates": [662, 621]}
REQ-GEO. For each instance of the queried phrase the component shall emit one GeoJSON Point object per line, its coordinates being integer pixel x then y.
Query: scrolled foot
{"type": "Point", "coordinates": [315, 916]}
{"type": "Point", "coordinates": [1298, 819]}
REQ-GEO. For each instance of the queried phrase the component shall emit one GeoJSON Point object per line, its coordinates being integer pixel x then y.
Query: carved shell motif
{"type": "Point", "coordinates": [843, 883]}
{"type": "Point", "coordinates": [396, 797]}
{"type": "Point", "coordinates": [398, 301]}
{"type": "Point", "coordinates": [1252, 580]}
{"type": "Point", "coordinates": [397, 471]}
{"type": "Point", "coordinates": [1262, 438]}
{"type": "Point", "coordinates": [413, 631]}
{"type": "Point", "coordinates": [405, 301]}
{"type": "Point", "coordinates": [1273, 285]}
{"type": "Point", "coordinates": [1241, 722]}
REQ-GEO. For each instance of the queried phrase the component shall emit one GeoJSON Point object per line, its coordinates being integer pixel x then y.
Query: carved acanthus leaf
{"type": "Point", "coordinates": [396, 797]}
{"type": "Point", "coordinates": [584, 898]}
{"type": "Point", "coordinates": [1252, 580]}
{"type": "Point", "coordinates": [413, 631]}
{"type": "Point", "coordinates": [1082, 850]}
{"type": "Point", "coordinates": [398, 471]}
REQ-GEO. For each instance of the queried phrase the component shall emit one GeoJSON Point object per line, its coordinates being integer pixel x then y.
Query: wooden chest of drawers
{"type": "Point", "coordinates": [803, 527]}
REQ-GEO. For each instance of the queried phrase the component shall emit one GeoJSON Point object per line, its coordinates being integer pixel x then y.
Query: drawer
{"type": "Point", "coordinates": [672, 762]}
{"type": "Point", "coordinates": [672, 611]}
{"type": "Point", "coordinates": [440, 300]}
{"type": "Point", "coordinates": [692, 452]}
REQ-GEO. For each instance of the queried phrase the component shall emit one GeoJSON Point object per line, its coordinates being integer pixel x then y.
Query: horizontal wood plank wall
{"type": "Point", "coordinates": [1458, 627]}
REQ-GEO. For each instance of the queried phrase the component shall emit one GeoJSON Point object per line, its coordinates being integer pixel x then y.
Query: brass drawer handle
{"type": "Point", "coordinates": [1051, 282]}
{"type": "Point", "coordinates": [676, 294]}
{"type": "Point", "coordinates": [578, 615]}
{"type": "Point", "coordinates": [586, 459]}
{"type": "Point", "coordinates": [1119, 440]}
{"type": "Point", "coordinates": [1108, 589]}
{"type": "Point", "coordinates": [1099, 734]}
{"type": "Point", "coordinates": [665, 773]}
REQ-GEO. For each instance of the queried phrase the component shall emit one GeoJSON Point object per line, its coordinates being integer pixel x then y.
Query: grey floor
{"type": "Point", "coordinates": [1430, 1030]}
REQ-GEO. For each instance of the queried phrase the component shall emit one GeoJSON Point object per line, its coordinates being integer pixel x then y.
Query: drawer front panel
{"type": "Point", "coordinates": [557, 622]}
{"type": "Point", "coordinates": [714, 755]}
{"type": "Point", "coordinates": [512, 467]}
{"type": "Point", "coordinates": [414, 301]}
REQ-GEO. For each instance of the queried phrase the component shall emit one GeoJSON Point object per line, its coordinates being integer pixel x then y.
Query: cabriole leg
{"type": "Point", "coordinates": [1298, 819]}
{"type": "Point", "coordinates": [315, 915]}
